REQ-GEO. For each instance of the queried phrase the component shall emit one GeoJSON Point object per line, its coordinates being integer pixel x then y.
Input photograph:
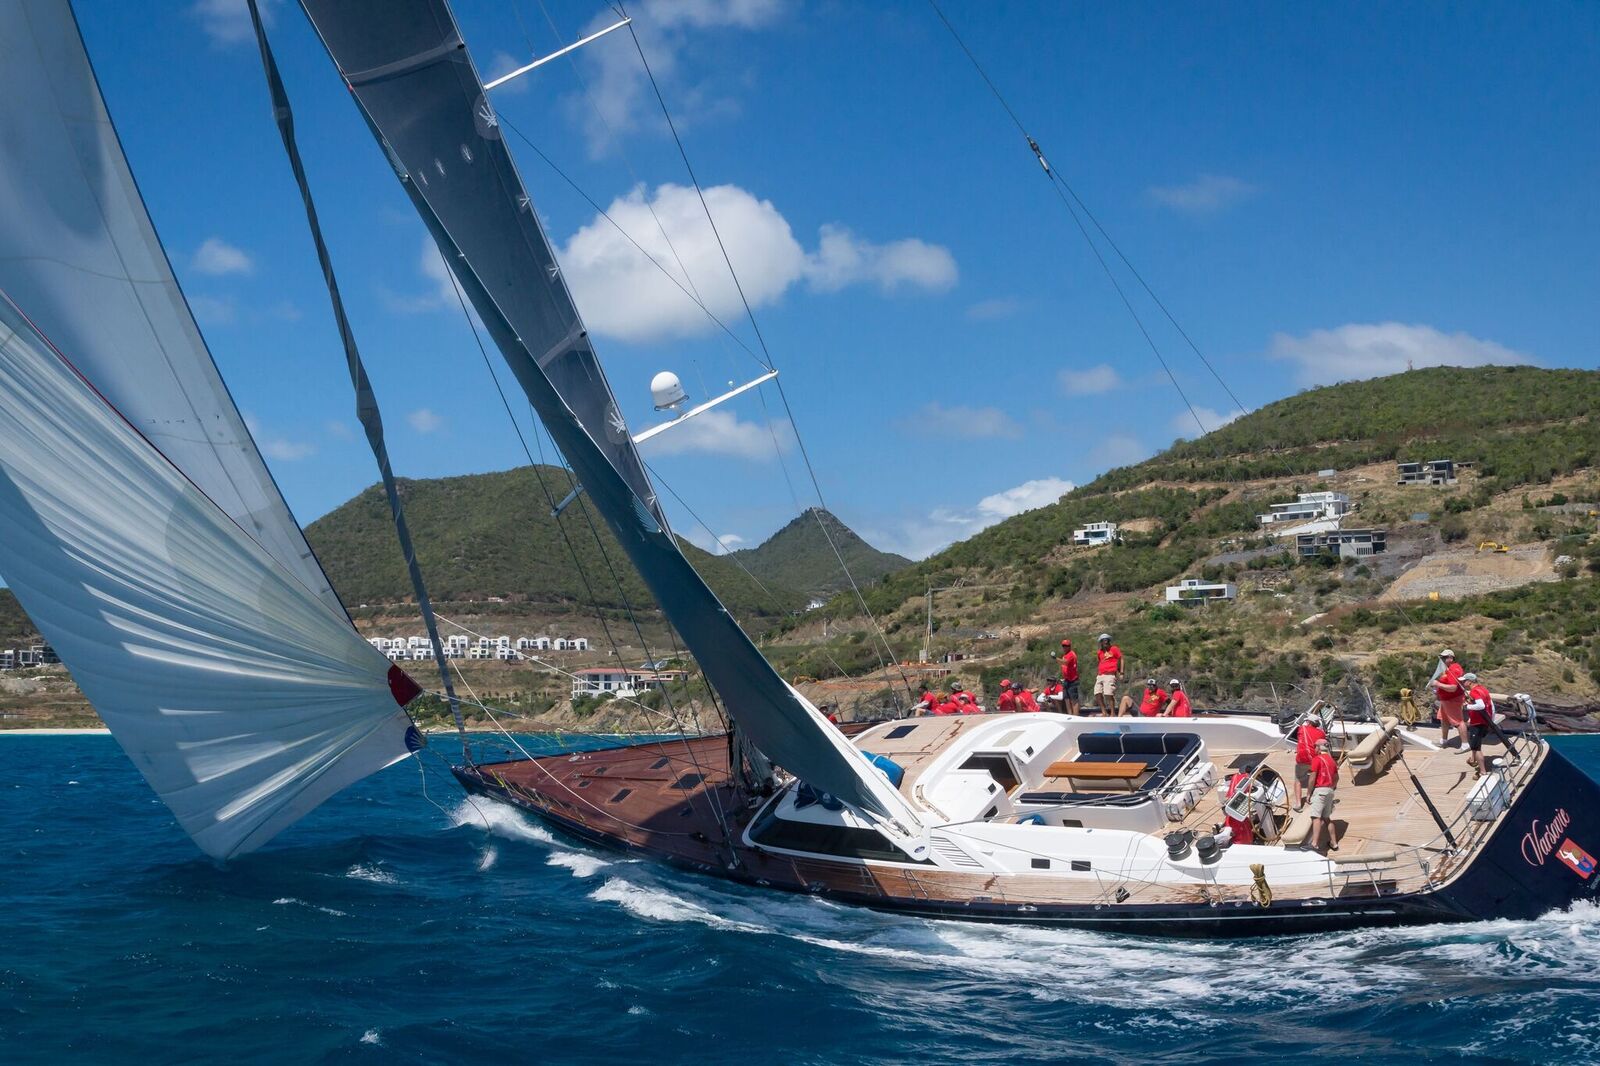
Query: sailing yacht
{"type": "Point", "coordinates": [148, 543]}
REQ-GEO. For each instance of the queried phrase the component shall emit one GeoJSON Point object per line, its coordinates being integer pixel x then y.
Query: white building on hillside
{"type": "Point", "coordinates": [1307, 507]}
{"type": "Point", "coordinates": [1191, 590]}
{"type": "Point", "coordinates": [1095, 534]}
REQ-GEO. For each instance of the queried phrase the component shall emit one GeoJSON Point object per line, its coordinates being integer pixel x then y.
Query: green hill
{"type": "Point", "coordinates": [484, 536]}
{"type": "Point", "coordinates": [799, 556]}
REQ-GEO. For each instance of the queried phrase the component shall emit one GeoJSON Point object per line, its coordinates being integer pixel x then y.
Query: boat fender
{"type": "Point", "coordinates": [1207, 850]}
{"type": "Point", "coordinates": [888, 767]}
{"type": "Point", "coordinates": [1178, 844]}
{"type": "Point", "coordinates": [1032, 819]}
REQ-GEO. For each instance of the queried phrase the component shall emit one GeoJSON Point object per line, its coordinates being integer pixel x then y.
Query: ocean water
{"type": "Point", "coordinates": [403, 922]}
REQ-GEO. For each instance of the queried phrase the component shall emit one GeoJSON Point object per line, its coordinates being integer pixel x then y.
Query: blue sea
{"type": "Point", "coordinates": [404, 923]}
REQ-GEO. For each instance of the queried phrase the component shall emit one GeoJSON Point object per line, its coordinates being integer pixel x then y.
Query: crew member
{"type": "Point", "coordinates": [1244, 829]}
{"type": "Point", "coordinates": [1025, 700]}
{"type": "Point", "coordinates": [1069, 675]}
{"type": "Point", "coordinates": [1054, 696]}
{"type": "Point", "coordinates": [1178, 702]}
{"type": "Point", "coordinates": [1447, 687]}
{"type": "Point", "coordinates": [946, 705]}
{"type": "Point", "coordinates": [1305, 746]}
{"type": "Point", "coordinates": [1007, 703]}
{"type": "Point", "coordinates": [1151, 702]}
{"type": "Point", "coordinates": [1324, 780]}
{"type": "Point", "coordinates": [1480, 720]}
{"type": "Point", "coordinates": [1108, 670]}
{"type": "Point", "coordinates": [927, 703]}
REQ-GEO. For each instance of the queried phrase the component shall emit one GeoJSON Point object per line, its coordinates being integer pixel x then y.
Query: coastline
{"type": "Point", "coordinates": [93, 730]}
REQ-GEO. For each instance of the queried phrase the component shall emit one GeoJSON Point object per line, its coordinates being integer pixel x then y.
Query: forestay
{"type": "Point", "coordinates": [242, 699]}
{"type": "Point", "coordinates": [78, 251]}
{"type": "Point", "coordinates": [409, 70]}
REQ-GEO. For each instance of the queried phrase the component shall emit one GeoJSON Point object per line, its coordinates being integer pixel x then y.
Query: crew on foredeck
{"type": "Point", "coordinates": [1324, 782]}
{"type": "Point", "coordinates": [1108, 671]}
{"type": "Point", "coordinates": [1451, 695]}
{"type": "Point", "coordinates": [1069, 676]}
{"type": "Point", "coordinates": [1305, 748]}
{"type": "Point", "coordinates": [1178, 703]}
{"type": "Point", "coordinates": [1151, 702]}
{"type": "Point", "coordinates": [1480, 720]}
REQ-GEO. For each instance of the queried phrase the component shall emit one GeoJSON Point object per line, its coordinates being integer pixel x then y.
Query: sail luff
{"type": "Point", "coordinates": [409, 72]}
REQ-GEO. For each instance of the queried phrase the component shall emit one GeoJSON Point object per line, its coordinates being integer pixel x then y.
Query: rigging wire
{"type": "Point", "coordinates": [616, 649]}
{"type": "Point", "coordinates": [766, 353]}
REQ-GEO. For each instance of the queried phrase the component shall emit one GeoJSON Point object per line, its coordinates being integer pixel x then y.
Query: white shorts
{"type": "Point", "coordinates": [1105, 684]}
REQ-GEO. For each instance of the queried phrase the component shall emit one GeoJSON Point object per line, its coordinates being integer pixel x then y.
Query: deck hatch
{"type": "Point", "coordinates": [899, 731]}
{"type": "Point", "coordinates": [1040, 864]}
{"type": "Point", "coordinates": [1080, 866]}
{"type": "Point", "coordinates": [688, 781]}
{"type": "Point", "coordinates": [621, 795]}
{"type": "Point", "coordinates": [659, 763]}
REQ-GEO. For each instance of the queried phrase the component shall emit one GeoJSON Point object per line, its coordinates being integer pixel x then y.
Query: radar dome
{"type": "Point", "coordinates": [667, 391]}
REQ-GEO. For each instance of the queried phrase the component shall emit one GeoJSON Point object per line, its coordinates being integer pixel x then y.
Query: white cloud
{"type": "Point", "coordinates": [228, 21]}
{"type": "Point", "coordinates": [275, 447]}
{"type": "Point", "coordinates": [424, 420]}
{"type": "Point", "coordinates": [338, 429]}
{"type": "Point", "coordinates": [1117, 449]}
{"type": "Point", "coordinates": [721, 433]}
{"type": "Point", "coordinates": [973, 423]}
{"type": "Point", "coordinates": [843, 259]}
{"type": "Point", "coordinates": [1089, 381]}
{"type": "Point", "coordinates": [1205, 195]}
{"type": "Point", "coordinates": [943, 526]}
{"type": "Point", "coordinates": [1183, 422]}
{"type": "Point", "coordinates": [989, 310]}
{"type": "Point", "coordinates": [719, 544]}
{"type": "Point", "coordinates": [503, 63]}
{"type": "Point", "coordinates": [217, 257]}
{"type": "Point", "coordinates": [440, 293]}
{"type": "Point", "coordinates": [213, 310]}
{"type": "Point", "coordinates": [1352, 352]}
{"type": "Point", "coordinates": [619, 100]}
{"type": "Point", "coordinates": [625, 295]}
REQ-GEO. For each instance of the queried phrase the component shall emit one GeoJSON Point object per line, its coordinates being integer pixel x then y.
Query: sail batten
{"type": "Point", "coordinates": [441, 135]}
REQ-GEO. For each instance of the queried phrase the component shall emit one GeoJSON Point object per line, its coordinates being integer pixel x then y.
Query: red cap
{"type": "Point", "coordinates": [1066, 643]}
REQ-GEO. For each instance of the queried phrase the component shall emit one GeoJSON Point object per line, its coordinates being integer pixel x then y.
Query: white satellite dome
{"type": "Point", "coordinates": [667, 391]}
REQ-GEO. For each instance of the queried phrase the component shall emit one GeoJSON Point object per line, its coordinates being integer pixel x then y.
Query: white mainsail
{"type": "Point", "coordinates": [242, 699]}
{"type": "Point", "coordinates": [142, 532]}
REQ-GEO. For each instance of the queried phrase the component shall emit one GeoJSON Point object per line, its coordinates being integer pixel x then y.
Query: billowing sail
{"type": "Point", "coordinates": [409, 70]}
{"type": "Point", "coordinates": [141, 530]}
{"type": "Point", "coordinates": [242, 699]}
{"type": "Point", "coordinates": [78, 251]}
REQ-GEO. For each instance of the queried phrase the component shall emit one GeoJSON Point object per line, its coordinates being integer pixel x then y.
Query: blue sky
{"type": "Point", "coordinates": [1317, 193]}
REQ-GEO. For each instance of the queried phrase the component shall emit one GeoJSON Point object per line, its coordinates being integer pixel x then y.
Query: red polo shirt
{"type": "Point", "coordinates": [1152, 703]}
{"type": "Point", "coordinates": [1484, 716]}
{"type": "Point", "coordinates": [1110, 659]}
{"type": "Point", "coordinates": [1025, 701]}
{"type": "Point", "coordinates": [1180, 704]}
{"type": "Point", "coordinates": [1324, 771]}
{"type": "Point", "coordinates": [1306, 746]}
{"type": "Point", "coordinates": [1069, 666]}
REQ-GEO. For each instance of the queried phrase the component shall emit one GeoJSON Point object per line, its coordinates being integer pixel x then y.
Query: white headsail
{"type": "Point", "coordinates": [142, 531]}
{"type": "Point", "coordinates": [242, 699]}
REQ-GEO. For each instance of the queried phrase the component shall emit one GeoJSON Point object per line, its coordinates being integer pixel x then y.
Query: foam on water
{"type": "Point", "coordinates": [372, 873]}
{"type": "Point", "coordinates": [500, 819]}
{"type": "Point", "coordinates": [580, 864]}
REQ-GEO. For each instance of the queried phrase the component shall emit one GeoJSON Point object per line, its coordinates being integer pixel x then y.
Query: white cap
{"type": "Point", "coordinates": [1175, 682]}
{"type": "Point", "coordinates": [1447, 654]}
{"type": "Point", "coordinates": [1469, 677]}
{"type": "Point", "coordinates": [1104, 636]}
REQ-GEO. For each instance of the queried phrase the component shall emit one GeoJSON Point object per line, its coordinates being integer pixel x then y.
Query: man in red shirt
{"type": "Point", "coordinates": [1007, 703]}
{"type": "Point", "coordinates": [1480, 720]}
{"type": "Point", "coordinates": [1244, 831]}
{"type": "Point", "coordinates": [1152, 701]}
{"type": "Point", "coordinates": [1108, 670]}
{"type": "Point", "coordinates": [1054, 696]}
{"type": "Point", "coordinates": [1025, 700]}
{"type": "Point", "coordinates": [1447, 687]}
{"type": "Point", "coordinates": [927, 703]}
{"type": "Point", "coordinates": [1069, 675]}
{"type": "Point", "coordinates": [1305, 747]}
{"type": "Point", "coordinates": [1324, 780]}
{"type": "Point", "coordinates": [946, 705]}
{"type": "Point", "coordinates": [1178, 704]}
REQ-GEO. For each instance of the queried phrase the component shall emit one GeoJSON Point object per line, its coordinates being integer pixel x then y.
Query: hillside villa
{"type": "Point", "coordinates": [1307, 507]}
{"type": "Point", "coordinates": [458, 646]}
{"type": "Point", "coordinates": [1095, 534]}
{"type": "Point", "coordinates": [1344, 543]}
{"type": "Point", "coordinates": [1432, 472]}
{"type": "Point", "coordinates": [621, 681]}
{"type": "Point", "coordinates": [1191, 590]}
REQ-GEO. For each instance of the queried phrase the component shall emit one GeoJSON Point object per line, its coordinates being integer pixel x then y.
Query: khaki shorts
{"type": "Point", "coordinates": [1105, 684]}
{"type": "Point", "coordinates": [1322, 803]}
{"type": "Point", "coordinates": [1302, 774]}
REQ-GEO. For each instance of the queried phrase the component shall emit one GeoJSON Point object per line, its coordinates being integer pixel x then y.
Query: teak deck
{"type": "Point", "coordinates": [673, 799]}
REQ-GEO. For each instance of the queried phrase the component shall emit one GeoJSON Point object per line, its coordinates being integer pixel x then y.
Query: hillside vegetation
{"type": "Point", "coordinates": [799, 556]}
{"type": "Point", "coordinates": [483, 536]}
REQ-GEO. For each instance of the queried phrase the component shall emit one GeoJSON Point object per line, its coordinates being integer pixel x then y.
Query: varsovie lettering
{"type": "Point", "coordinates": [1542, 841]}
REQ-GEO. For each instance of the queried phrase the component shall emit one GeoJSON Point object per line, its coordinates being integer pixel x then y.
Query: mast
{"type": "Point", "coordinates": [408, 69]}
